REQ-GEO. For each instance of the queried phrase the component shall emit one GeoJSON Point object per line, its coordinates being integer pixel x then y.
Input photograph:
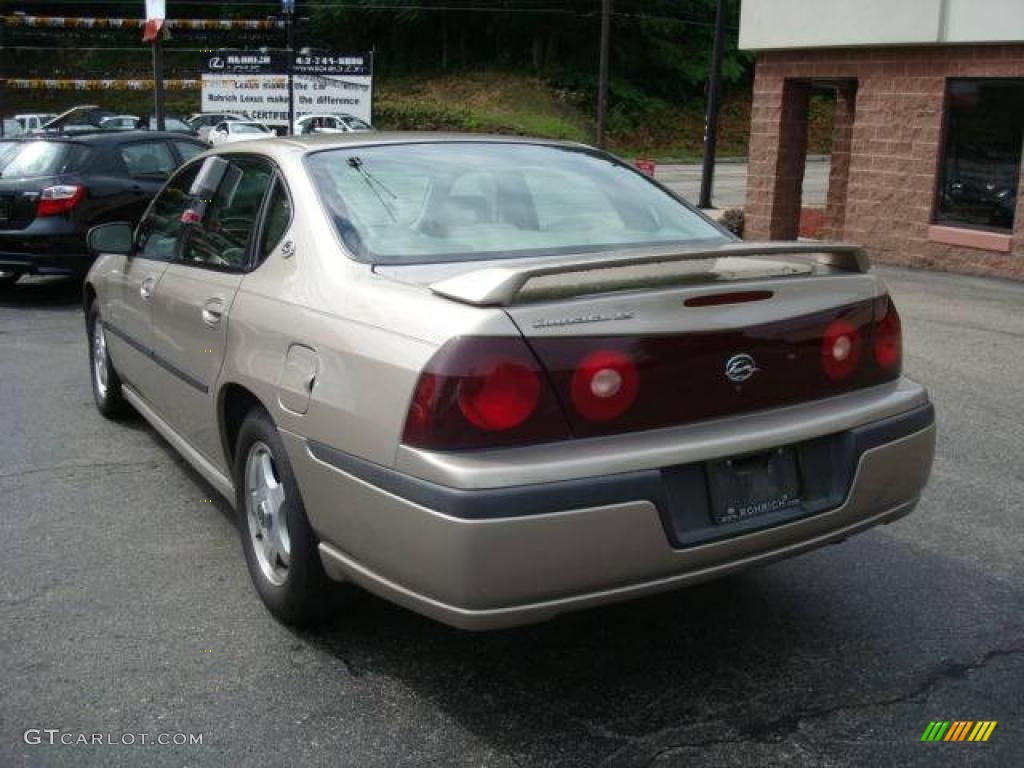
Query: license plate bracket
{"type": "Point", "coordinates": [751, 486]}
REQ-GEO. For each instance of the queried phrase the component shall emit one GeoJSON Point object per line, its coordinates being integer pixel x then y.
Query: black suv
{"type": "Point", "coordinates": [54, 187]}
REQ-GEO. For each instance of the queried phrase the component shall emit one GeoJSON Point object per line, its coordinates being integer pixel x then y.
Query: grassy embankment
{"type": "Point", "coordinates": [494, 102]}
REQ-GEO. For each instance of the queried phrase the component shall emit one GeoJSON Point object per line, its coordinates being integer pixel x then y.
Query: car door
{"type": "Point", "coordinates": [192, 302]}
{"type": "Point", "coordinates": [131, 285]}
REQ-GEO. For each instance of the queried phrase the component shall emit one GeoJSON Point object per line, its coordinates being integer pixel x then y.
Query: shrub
{"type": "Point", "coordinates": [733, 220]}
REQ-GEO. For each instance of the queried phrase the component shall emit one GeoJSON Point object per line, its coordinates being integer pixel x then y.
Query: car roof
{"type": "Point", "coordinates": [100, 136]}
{"type": "Point", "coordinates": [288, 145]}
{"type": "Point", "coordinates": [324, 114]}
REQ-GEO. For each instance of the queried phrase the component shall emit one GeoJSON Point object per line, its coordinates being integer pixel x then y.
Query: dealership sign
{"type": "Point", "coordinates": [255, 85]}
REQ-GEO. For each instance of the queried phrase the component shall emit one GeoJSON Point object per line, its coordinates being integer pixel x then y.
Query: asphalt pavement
{"type": "Point", "coordinates": [730, 182]}
{"type": "Point", "coordinates": [125, 606]}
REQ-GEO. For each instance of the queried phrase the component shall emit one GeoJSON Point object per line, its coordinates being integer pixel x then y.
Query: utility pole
{"type": "Point", "coordinates": [707, 177]}
{"type": "Point", "coordinates": [602, 84]}
{"type": "Point", "coordinates": [288, 7]}
{"type": "Point", "coordinates": [158, 83]}
{"type": "Point", "coordinates": [153, 32]}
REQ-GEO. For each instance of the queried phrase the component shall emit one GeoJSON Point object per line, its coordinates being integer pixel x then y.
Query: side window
{"type": "Point", "coordinates": [221, 237]}
{"type": "Point", "coordinates": [149, 159]}
{"type": "Point", "coordinates": [279, 216]}
{"type": "Point", "coordinates": [189, 149]}
{"type": "Point", "coordinates": [158, 232]}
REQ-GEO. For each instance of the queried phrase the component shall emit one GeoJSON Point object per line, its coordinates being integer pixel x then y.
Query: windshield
{"type": "Point", "coordinates": [463, 201]}
{"type": "Point", "coordinates": [33, 158]}
{"type": "Point", "coordinates": [356, 124]}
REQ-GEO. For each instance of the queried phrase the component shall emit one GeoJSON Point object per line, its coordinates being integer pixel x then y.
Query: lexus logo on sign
{"type": "Point", "coordinates": [739, 368]}
{"type": "Point", "coordinates": [216, 62]}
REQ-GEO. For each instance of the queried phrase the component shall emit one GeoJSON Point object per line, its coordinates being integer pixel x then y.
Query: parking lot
{"type": "Point", "coordinates": [125, 605]}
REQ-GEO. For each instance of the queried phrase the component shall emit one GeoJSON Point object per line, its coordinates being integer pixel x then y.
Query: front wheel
{"type": "Point", "coordinates": [279, 544]}
{"type": "Point", "coordinates": [106, 384]}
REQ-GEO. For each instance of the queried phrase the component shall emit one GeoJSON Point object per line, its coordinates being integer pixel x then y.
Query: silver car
{"type": "Point", "coordinates": [493, 380]}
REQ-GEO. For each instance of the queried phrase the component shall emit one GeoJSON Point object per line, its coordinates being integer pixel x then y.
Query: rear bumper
{"type": "Point", "coordinates": [44, 253]}
{"type": "Point", "coordinates": [502, 557]}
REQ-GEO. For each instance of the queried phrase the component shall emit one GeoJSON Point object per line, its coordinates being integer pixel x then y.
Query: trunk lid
{"type": "Point", "coordinates": [671, 339]}
{"type": "Point", "coordinates": [27, 168]}
{"type": "Point", "coordinates": [19, 199]}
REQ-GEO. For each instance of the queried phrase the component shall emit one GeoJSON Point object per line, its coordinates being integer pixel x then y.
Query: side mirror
{"type": "Point", "coordinates": [115, 238]}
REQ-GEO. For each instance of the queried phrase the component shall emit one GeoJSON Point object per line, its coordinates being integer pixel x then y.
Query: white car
{"type": "Point", "coordinates": [204, 122]}
{"type": "Point", "coordinates": [10, 128]}
{"type": "Point", "coordinates": [231, 131]}
{"type": "Point", "coordinates": [33, 122]}
{"type": "Point", "coordinates": [120, 123]}
{"type": "Point", "coordinates": [312, 124]}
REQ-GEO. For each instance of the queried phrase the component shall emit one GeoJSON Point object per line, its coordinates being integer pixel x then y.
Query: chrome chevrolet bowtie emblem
{"type": "Point", "coordinates": [739, 368]}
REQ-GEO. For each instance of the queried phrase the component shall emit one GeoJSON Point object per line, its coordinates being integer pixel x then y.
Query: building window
{"type": "Point", "coordinates": [981, 153]}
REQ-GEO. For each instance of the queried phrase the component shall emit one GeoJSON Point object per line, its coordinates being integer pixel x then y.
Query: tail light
{"type": "Point", "coordinates": [604, 385]}
{"type": "Point", "coordinates": [59, 199]}
{"type": "Point", "coordinates": [840, 349]}
{"type": "Point", "coordinates": [888, 335]}
{"type": "Point", "coordinates": [481, 392]}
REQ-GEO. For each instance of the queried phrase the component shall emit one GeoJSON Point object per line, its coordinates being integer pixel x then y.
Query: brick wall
{"type": "Point", "coordinates": [895, 97]}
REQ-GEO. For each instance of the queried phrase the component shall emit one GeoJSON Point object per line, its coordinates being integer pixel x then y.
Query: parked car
{"type": "Point", "coordinates": [171, 123]}
{"type": "Point", "coordinates": [83, 118]}
{"type": "Point", "coordinates": [203, 122]}
{"type": "Point", "coordinates": [34, 121]}
{"type": "Point", "coordinates": [54, 188]}
{"type": "Point", "coordinates": [330, 124]}
{"type": "Point", "coordinates": [121, 123]}
{"type": "Point", "coordinates": [239, 130]}
{"type": "Point", "coordinates": [493, 379]}
{"type": "Point", "coordinates": [10, 128]}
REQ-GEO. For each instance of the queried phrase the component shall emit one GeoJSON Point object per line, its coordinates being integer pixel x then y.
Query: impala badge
{"type": "Point", "coordinates": [739, 368]}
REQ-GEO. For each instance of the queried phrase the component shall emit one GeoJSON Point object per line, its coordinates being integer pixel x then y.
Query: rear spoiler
{"type": "Point", "coordinates": [499, 286]}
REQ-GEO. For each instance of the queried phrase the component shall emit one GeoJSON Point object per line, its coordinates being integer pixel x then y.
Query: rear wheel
{"type": "Point", "coordinates": [279, 544]}
{"type": "Point", "coordinates": [106, 384]}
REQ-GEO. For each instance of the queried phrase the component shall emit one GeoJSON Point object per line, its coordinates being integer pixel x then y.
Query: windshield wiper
{"type": "Point", "coordinates": [375, 186]}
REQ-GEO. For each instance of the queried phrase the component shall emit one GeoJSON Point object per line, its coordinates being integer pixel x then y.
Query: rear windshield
{"type": "Point", "coordinates": [246, 128]}
{"type": "Point", "coordinates": [463, 201]}
{"type": "Point", "coordinates": [29, 159]}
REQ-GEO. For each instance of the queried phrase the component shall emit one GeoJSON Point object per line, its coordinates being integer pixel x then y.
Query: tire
{"type": "Point", "coordinates": [7, 279]}
{"type": "Point", "coordinates": [279, 544]}
{"type": "Point", "coordinates": [106, 384]}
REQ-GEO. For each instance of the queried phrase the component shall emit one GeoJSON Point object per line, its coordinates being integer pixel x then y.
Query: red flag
{"type": "Point", "coordinates": [152, 30]}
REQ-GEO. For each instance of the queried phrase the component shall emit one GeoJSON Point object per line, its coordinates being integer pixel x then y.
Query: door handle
{"type": "Point", "coordinates": [213, 311]}
{"type": "Point", "coordinates": [146, 289]}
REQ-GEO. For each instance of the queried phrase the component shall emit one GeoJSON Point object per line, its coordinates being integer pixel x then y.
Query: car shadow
{"type": "Point", "coordinates": [38, 292]}
{"type": "Point", "coordinates": [742, 662]}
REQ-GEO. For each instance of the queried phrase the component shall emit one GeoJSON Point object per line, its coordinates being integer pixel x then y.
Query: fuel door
{"type": "Point", "coordinates": [298, 378]}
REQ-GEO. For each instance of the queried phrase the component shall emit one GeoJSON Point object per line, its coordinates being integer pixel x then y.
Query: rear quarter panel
{"type": "Point", "coordinates": [371, 336]}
